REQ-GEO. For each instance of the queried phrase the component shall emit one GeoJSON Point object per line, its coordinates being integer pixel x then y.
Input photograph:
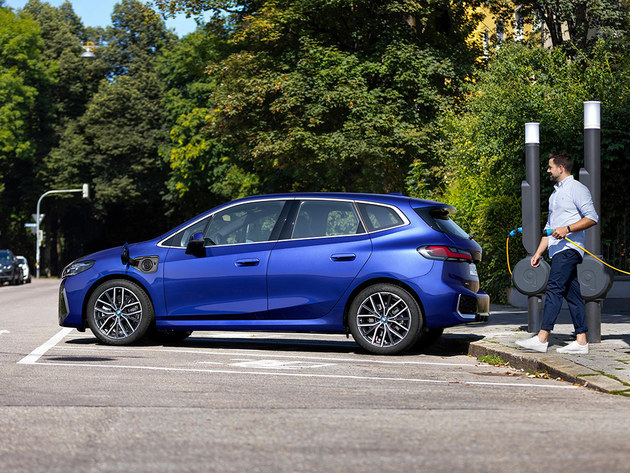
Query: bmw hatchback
{"type": "Point", "coordinates": [391, 270]}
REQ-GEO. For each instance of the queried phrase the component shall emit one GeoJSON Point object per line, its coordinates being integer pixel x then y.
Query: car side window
{"type": "Point", "coordinates": [244, 223]}
{"type": "Point", "coordinates": [320, 218]}
{"type": "Point", "coordinates": [378, 217]}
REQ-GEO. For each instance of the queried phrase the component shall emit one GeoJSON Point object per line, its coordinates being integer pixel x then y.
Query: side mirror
{"type": "Point", "coordinates": [196, 248]}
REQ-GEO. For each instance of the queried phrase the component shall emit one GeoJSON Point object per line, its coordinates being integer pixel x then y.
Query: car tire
{"type": "Point", "coordinates": [385, 319]}
{"type": "Point", "coordinates": [168, 336]}
{"type": "Point", "coordinates": [119, 312]}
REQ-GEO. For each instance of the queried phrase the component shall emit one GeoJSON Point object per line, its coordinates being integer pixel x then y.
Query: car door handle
{"type": "Point", "coordinates": [343, 257]}
{"type": "Point", "coordinates": [247, 262]}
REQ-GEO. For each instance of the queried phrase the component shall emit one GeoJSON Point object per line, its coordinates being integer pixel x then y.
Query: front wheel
{"type": "Point", "coordinates": [385, 319]}
{"type": "Point", "coordinates": [119, 312]}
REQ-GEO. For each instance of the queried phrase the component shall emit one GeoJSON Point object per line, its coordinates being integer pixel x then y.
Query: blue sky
{"type": "Point", "coordinates": [99, 12]}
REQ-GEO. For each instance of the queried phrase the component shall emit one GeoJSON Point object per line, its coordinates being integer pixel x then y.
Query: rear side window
{"type": "Point", "coordinates": [378, 217]}
{"type": "Point", "coordinates": [438, 218]}
{"type": "Point", "coordinates": [321, 218]}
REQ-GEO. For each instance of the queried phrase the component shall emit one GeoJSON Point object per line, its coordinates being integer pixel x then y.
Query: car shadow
{"type": "Point", "coordinates": [447, 345]}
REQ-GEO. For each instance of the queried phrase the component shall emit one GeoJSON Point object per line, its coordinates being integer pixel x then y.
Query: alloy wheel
{"type": "Point", "coordinates": [117, 313]}
{"type": "Point", "coordinates": [383, 319]}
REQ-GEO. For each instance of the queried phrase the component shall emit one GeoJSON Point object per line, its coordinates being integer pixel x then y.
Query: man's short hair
{"type": "Point", "coordinates": [563, 159]}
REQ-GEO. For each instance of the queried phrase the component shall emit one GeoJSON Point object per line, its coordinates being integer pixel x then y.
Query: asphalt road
{"type": "Point", "coordinates": [261, 402]}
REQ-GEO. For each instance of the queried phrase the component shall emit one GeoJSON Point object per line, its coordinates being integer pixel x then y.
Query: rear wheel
{"type": "Point", "coordinates": [385, 319]}
{"type": "Point", "coordinates": [119, 312]}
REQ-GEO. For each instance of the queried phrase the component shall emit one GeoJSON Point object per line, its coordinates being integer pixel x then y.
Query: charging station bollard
{"type": "Point", "coordinates": [528, 280]}
{"type": "Point", "coordinates": [595, 278]}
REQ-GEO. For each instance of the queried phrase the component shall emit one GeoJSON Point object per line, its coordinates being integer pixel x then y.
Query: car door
{"type": "Point", "coordinates": [230, 280]}
{"type": "Point", "coordinates": [322, 254]}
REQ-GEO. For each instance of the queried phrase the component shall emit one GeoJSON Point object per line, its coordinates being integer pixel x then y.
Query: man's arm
{"type": "Point", "coordinates": [544, 243]}
{"type": "Point", "coordinates": [578, 226]}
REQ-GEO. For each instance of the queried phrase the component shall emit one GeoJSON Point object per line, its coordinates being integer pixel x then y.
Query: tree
{"type": "Point", "coordinates": [114, 145]}
{"type": "Point", "coordinates": [573, 25]}
{"type": "Point", "coordinates": [77, 78]}
{"type": "Point", "coordinates": [334, 95]}
{"type": "Point", "coordinates": [25, 78]}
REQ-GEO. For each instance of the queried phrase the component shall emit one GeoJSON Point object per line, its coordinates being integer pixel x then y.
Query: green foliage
{"type": "Point", "coordinates": [25, 78]}
{"type": "Point", "coordinates": [335, 95]}
{"type": "Point", "coordinates": [115, 143]}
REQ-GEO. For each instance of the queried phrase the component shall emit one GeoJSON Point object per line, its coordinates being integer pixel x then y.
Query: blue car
{"type": "Point", "coordinates": [391, 270]}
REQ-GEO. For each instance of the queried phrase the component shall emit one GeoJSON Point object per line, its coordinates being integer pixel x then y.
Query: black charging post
{"type": "Point", "coordinates": [527, 279]}
{"type": "Point", "coordinates": [595, 278]}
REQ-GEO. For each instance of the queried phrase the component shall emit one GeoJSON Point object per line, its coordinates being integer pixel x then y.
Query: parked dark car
{"type": "Point", "coordinates": [10, 270]}
{"type": "Point", "coordinates": [391, 270]}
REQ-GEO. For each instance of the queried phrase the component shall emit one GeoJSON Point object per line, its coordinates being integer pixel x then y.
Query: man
{"type": "Point", "coordinates": [571, 212]}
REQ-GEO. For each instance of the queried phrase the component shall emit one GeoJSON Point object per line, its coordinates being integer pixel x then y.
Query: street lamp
{"type": "Point", "coordinates": [85, 190]}
{"type": "Point", "coordinates": [89, 50]}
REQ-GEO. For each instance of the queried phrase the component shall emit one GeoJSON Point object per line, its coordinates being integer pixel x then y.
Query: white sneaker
{"type": "Point", "coordinates": [533, 343]}
{"type": "Point", "coordinates": [574, 348]}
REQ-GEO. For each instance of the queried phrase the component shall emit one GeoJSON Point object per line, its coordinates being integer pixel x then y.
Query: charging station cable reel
{"type": "Point", "coordinates": [594, 274]}
{"type": "Point", "coordinates": [527, 279]}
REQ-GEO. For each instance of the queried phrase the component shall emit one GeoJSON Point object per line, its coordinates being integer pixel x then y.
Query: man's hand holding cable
{"type": "Point", "coordinates": [561, 232]}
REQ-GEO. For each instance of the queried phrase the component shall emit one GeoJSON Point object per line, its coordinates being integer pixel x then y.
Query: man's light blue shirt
{"type": "Point", "coordinates": [569, 202]}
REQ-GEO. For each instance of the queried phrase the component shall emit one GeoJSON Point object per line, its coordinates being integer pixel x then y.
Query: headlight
{"type": "Point", "coordinates": [77, 267]}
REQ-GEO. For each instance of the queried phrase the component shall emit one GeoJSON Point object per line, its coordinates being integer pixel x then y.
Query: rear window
{"type": "Point", "coordinates": [438, 218]}
{"type": "Point", "coordinates": [378, 217]}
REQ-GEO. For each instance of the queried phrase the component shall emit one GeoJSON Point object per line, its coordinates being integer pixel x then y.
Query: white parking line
{"type": "Point", "coordinates": [306, 375]}
{"type": "Point", "coordinates": [36, 354]}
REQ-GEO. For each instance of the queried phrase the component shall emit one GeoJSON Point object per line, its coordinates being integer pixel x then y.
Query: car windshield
{"type": "Point", "coordinates": [4, 256]}
{"type": "Point", "coordinates": [21, 260]}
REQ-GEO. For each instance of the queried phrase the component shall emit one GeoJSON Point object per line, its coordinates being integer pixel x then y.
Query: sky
{"type": "Point", "coordinates": [99, 13]}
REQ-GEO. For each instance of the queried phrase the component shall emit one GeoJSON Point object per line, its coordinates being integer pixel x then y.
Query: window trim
{"type": "Point", "coordinates": [211, 216]}
{"type": "Point", "coordinates": [291, 218]}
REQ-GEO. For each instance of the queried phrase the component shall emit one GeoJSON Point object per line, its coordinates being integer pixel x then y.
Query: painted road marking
{"type": "Point", "coordinates": [305, 375]}
{"type": "Point", "coordinates": [2, 332]}
{"type": "Point", "coordinates": [36, 354]}
{"type": "Point", "coordinates": [278, 364]}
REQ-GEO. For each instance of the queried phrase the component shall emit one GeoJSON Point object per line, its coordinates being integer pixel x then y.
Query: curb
{"type": "Point", "coordinates": [554, 366]}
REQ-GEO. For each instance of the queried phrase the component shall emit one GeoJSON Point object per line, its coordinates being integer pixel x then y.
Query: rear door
{"type": "Point", "coordinates": [317, 259]}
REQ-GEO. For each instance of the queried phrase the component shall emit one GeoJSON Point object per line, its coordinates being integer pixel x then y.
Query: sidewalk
{"type": "Point", "coordinates": [606, 367]}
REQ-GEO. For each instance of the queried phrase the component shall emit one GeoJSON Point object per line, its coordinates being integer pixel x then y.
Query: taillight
{"type": "Point", "coordinates": [445, 253]}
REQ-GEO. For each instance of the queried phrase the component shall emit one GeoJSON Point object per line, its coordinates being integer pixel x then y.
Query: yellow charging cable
{"type": "Point", "coordinates": [601, 261]}
{"type": "Point", "coordinates": [507, 253]}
